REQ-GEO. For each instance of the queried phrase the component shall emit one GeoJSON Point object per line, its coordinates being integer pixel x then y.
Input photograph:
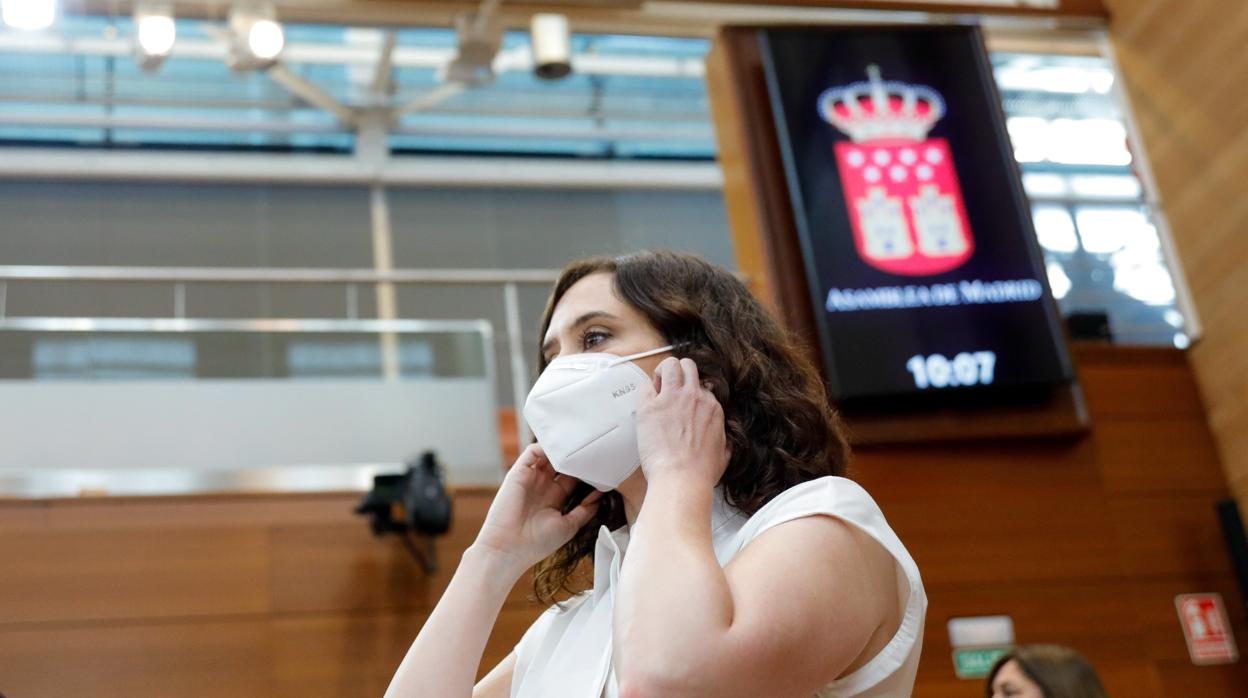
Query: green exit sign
{"type": "Point", "coordinates": [975, 663]}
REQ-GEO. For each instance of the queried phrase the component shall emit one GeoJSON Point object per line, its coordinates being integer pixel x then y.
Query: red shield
{"type": "Point", "coordinates": [905, 205]}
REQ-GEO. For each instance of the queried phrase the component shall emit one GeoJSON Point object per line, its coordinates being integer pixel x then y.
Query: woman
{"type": "Point", "coordinates": [1043, 671]}
{"type": "Point", "coordinates": [752, 569]}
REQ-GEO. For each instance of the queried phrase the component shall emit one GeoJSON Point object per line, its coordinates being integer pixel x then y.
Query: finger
{"type": "Point", "coordinates": [553, 478]}
{"type": "Point", "coordinates": [521, 475]}
{"type": "Point", "coordinates": [689, 372]}
{"type": "Point", "coordinates": [669, 370]}
{"type": "Point", "coordinates": [584, 511]}
{"type": "Point", "coordinates": [532, 455]}
{"type": "Point", "coordinates": [565, 483]}
{"type": "Point", "coordinates": [592, 497]}
{"type": "Point", "coordinates": [648, 389]}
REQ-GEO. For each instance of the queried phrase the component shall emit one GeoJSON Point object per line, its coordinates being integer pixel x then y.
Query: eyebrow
{"type": "Point", "coordinates": [591, 315]}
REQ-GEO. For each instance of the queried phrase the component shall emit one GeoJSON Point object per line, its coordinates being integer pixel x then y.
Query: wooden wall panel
{"type": "Point", "coordinates": [358, 571]}
{"type": "Point", "coordinates": [1157, 456]}
{"type": "Point", "coordinates": [97, 573]}
{"type": "Point", "coordinates": [248, 595]}
{"type": "Point", "coordinates": [1142, 382]}
{"type": "Point", "coordinates": [340, 654]}
{"type": "Point", "coordinates": [1183, 64]}
{"type": "Point", "coordinates": [113, 660]}
{"type": "Point", "coordinates": [1082, 541]}
{"type": "Point", "coordinates": [354, 570]}
{"type": "Point", "coordinates": [1169, 535]}
{"type": "Point", "coordinates": [1096, 615]}
{"type": "Point", "coordinates": [354, 655]}
{"type": "Point", "coordinates": [958, 509]}
{"type": "Point", "coordinates": [1180, 678]}
{"type": "Point", "coordinates": [1154, 605]}
{"type": "Point", "coordinates": [1098, 618]}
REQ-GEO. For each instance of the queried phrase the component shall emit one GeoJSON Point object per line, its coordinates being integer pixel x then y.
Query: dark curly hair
{"type": "Point", "coordinates": [779, 423]}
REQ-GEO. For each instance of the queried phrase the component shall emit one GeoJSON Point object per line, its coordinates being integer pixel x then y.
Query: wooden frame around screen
{"type": "Point", "coordinates": [765, 239]}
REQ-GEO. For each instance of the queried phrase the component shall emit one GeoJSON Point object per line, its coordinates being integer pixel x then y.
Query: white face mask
{"type": "Point", "coordinates": [582, 409]}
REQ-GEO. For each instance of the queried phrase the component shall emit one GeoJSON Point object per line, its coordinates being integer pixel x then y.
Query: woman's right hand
{"type": "Point", "coordinates": [525, 524]}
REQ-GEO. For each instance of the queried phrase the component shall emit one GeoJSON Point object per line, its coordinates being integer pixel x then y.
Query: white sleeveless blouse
{"type": "Point", "coordinates": [567, 653]}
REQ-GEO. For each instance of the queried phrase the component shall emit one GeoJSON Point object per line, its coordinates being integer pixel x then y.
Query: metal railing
{"type": "Point", "coordinates": [508, 280]}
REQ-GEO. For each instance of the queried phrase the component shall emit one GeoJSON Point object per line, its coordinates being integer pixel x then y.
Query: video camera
{"type": "Point", "coordinates": [410, 505]}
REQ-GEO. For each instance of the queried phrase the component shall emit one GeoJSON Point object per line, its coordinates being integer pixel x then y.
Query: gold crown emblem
{"type": "Point", "coordinates": [878, 110]}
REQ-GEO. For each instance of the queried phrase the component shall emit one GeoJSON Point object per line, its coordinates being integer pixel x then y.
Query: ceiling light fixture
{"type": "Point", "coordinates": [256, 38]}
{"type": "Point", "coordinates": [30, 15]}
{"type": "Point", "coordinates": [552, 46]}
{"type": "Point", "coordinates": [155, 33]}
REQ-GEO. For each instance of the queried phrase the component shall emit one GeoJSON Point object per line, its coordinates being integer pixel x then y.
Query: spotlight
{"type": "Point", "coordinates": [28, 14]}
{"type": "Point", "coordinates": [552, 46]}
{"type": "Point", "coordinates": [256, 39]}
{"type": "Point", "coordinates": [156, 33]}
{"type": "Point", "coordinates": [266, 39]}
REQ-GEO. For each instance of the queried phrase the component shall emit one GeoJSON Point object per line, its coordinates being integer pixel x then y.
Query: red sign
{"type": "Point", "coordinates": [1206, 628]}
{"type": "Point", "coordinates": [905, 203]}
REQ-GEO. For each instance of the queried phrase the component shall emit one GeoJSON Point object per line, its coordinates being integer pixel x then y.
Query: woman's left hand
{"type": "Point", "coordinates": [680, 426]}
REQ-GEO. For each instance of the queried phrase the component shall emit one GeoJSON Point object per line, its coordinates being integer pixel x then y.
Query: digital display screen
{"type": "Point", "coordinates": [924, 270]}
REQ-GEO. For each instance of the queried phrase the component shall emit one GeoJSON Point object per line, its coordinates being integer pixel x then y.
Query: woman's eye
{"type": "Point", "coordinates": [593, 338]}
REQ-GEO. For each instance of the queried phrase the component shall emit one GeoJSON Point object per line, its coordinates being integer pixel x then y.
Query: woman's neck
{"type": "Point", "coordinates": [633, 491]}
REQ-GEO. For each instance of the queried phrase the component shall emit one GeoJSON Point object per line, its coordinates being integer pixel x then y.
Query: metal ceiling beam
{"type": "Point", "coordinates": [297, 85]}
{"type": "Point", "coordinates": [12, 41]}
{"type": "Point", "coordinates": [456, 130]}
{"type": "Point", "coordinates": [383, 74]}
{"type": "Point", "coordinates": [113, 121]}
{"type": "Point", "coordinates": [430, 98]}
{"type": "Point", "coordinates": [310, 93]}
{"type": "Point", "coordinates": [597, 133]}
{"type": "Point", "coordinates": [426, 171]}
{"type": "Point", "coordinates": [275, 275]}
{"type": "Point", "coordinates": [507, 107]}
{"type": "Point", "coordinates": [628, 16]}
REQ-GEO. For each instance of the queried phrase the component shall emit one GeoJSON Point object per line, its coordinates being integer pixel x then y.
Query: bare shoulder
{"type": "Point", "coordinates": [799, 579]}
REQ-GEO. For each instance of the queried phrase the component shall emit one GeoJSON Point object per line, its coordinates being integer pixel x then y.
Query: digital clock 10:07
{"type": "Point", "coordinates": [967, 368]}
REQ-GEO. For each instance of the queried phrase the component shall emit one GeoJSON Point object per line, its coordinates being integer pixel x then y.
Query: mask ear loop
{"type": "Point", "coordinates": [644, 354]}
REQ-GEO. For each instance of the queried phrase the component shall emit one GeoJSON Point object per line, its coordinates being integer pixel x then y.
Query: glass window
{"type": "Point", "coordinates": [1030, 135]}
{"type": "Point", "coordinates": [1058, 280]}
{"type": "Point", "coordinates": [116, 357]}
{"type": "Point", "coordinates": [1087, 142]}
{"type": "Point", "coordinates": [1045, 184]}
{"type": "Point", "coordinates": [633, 97]}
{"type": "Point", "coordinates": [1108, 230]}
{"type": "Point", "coordinates": [1055, 228]}
{"type": "Point", "coordinates": [1102, 248]}
{"type": "Point", "coordinates": [1106, 187]}
{"type": "Point", "coordinates": [236, 354]}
